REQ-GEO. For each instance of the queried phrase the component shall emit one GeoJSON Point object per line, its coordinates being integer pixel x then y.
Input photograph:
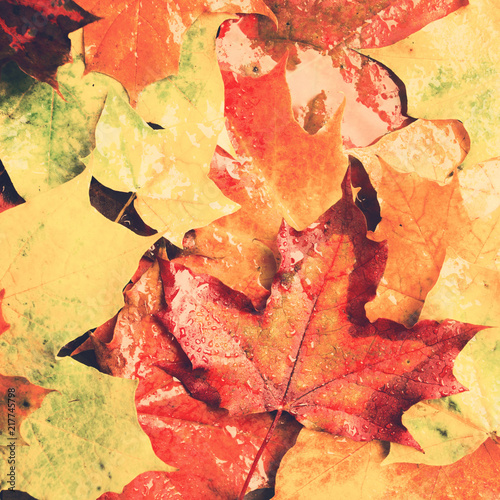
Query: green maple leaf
{"type": "Point", "coordinates": [42, 135]}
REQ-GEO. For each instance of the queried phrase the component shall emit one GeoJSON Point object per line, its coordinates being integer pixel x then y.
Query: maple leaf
{"type": "Point", "coordinates": [320, 40]}
{"type": "Point", "coordinates": [179, 426]}
{"type": "Point", "coordinates": [42, 136]}
{"type": "Point", "coordinates": [450, 70]}
{"type": "Point", "coordinates": [62, 268]}
{"type": "Point", "coordinates": [414, 202]}
{"type": "Point", "coordinates": [237, 249]}
{"type": "Point", "coordinates": [370, 95]}
{"type": "Point", "coordinates": [19, 399]}
{"type": "Point", "coordinates": [420, 217]}
{"type": "Point", "coordinates": [194, 97]}
{"type": "Point", "coordinates": [139, 42]}
{"type": "Point", "coordinates": [264, 130]}
{"type": "Point", "coordinates": [320, 466]}
{"type": "Point", "coordinates": [312, 352]}
{"type": "Point", "coordinates": [452, 427]}
{"type": "Point", "coordinates": [34, 34]}
{"type": "Point", "coordinates": [168, 168]}
{"type": "Point", "coordinates": [174, 193]}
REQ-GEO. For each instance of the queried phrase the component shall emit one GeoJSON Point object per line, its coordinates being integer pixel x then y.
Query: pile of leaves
{"type": "Point", "coordinates": [249, 249]}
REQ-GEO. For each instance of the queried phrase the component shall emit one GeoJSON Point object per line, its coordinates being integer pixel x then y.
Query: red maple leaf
{"type": "Point", "coordinates": [312, 352]}
{"type": "Point", "coordinates": [179, 426]}
{"type": "Point", "coordinates": [321, 36]}
{"type": "Point", "coordinates": [34, 33]}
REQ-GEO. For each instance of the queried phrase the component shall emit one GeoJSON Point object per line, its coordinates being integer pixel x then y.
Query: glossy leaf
{"type": "Point", "coordinates": [264, 130]}
{"type": "Point", "coordinates": [420, 217]}
{"type": "Point", "coordinates": [180, 427]}
{"type": "Point", "coordinates": [138, 42]}
{"type": "Point", "coordinates": [449, 428]}
{"type": "Point", "coordinates": [322, 467]}
{"type": "Point", "coordinates": [461, 83]}
{"type": "Point", "coordinates": [322, 64]}
{"type": "Point", "coordinates": [312, 352]}
{"type": "Point", "coordinates": [237, 249]}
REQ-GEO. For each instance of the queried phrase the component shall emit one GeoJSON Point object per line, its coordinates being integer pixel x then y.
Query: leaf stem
{"type": "Point", "coordinates": [260, 452]}
{"type": "Point", "coordinates": [122, 211]}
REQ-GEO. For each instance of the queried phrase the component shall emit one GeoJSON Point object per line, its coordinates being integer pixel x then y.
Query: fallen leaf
{"type": "Point", "coordinates": [322, 467]}
{"type": "Point", "coordinates": [420, 217]}
{"type": "Point", "coordinates": [372, 101]}
{"type": "Point", "coordinates": [431, 149]}
{"type": "Point", "coordinates": [138, 42]}
{"type": "Point", "coordinates": [193, 99]}
{"type": "Point", "coordinates": [320, 39]}
{"type": "Point", "coordinates": [450, 70]}
{"type": "Point", "coordinates": [238, 248]}
{"type": "Point", "coordinates": [168, 175]}
{"type": "Point", "coordinates": [312, 351]}
{"type": "Point", "coordinates": [43, 136]}
{"type": "Point", "coordinates": [179, 426]}
{"type": "Point", "coordinates": [19, 399]}
{"type": "Point", "coordinates": [302, 172]}
{"type": "Point", "coordinates": [62, 268]}
{"type": "Point", "coordinates": [449, 428]}
{"type": "Point", "coordinates": [34, 34]}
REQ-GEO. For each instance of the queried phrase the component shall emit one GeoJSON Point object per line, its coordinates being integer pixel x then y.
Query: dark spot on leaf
{"type": "Point", "coordinates": [101, 465]}
{"type": "Point", "coordinates": [443, 432]}
{"type": "Point", "coordinates": [255, 69]}
{"type": "Point", "coordinates": [26, 404]}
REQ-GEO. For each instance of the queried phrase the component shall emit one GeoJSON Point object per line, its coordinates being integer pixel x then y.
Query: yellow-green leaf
{"type": "Point", "coordinates": [63, 267]}
{"type": "Point", "coordinates": [193, 100]}
{"type": "Point", "coordinates": [451, 427]}
{"type": "Point", "coordinates": [42, 135]}
{"type": "Point", "coordinates": [450, 70]}
{"type": "Point", "coordinates": [167, 171]}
